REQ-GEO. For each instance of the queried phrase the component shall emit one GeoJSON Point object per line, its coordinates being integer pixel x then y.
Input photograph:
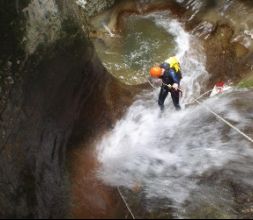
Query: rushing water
{"type": "Point", "coordinates": [129, 56]}
{"type": "Point", "coordinates": [182, 158]}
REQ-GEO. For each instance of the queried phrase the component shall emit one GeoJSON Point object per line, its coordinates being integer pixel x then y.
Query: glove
{"type": "Point", "coordinates": [175, 86]}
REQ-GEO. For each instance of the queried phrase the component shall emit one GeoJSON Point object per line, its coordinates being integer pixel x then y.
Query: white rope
{"type": "Point", "coordinates": [211, 111]}
{"type": "Point", "coordinates": [124, 200]}
{"type": "Point", "coordinates": [190, 103]}
{"type": "Point", "coordinates": [151, 84]}
{"type": "Point", "coordinates": [225, 121]}
{"type": "Point", "coordinates": [204, 94]}
{"type": "Point", "coordinates": [218, 116]}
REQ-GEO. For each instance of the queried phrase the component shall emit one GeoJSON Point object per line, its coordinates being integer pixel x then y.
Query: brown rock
{"type": "Point", "coordinates": [240, 50]}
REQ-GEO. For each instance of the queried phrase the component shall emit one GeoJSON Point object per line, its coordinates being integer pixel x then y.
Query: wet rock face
{"type": "Point", "coordinates": [33, 141]}
{"type": "Point", "coordinates": [228, 43]}
{"type": "Point", "coordinates": [11, 53]}
{"type": "Point", "coordinates": [220, 55]}
{"type": "Point", "coordinates": [63, 95]}
{"type": "Point", "coordinates": [226, 60]}
{"type": "Point", "coordinates": [93, 7]}
{"type": "Point", "coordinates": [54, 95]}
{"type": "Point", "coordinates": [43, 24]}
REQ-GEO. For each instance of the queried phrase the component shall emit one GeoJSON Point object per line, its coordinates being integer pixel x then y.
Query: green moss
{"type": "Point", "coordinates": [247, 82]}
{"type": "Point", "coordinates": [12, 23]}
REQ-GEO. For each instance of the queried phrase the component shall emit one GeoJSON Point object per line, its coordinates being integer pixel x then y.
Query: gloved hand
{"type": "Point", "coordinates": [175, 86]}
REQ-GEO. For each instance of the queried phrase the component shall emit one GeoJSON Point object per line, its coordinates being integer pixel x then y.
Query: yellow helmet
{"type": "Point", "coordinates": [174, 63]}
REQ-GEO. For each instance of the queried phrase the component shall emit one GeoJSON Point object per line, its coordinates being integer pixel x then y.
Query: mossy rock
{"type": "Point", "coordinates": [247, 82]}
{"type": "Point", "coordinates": [240, 50]}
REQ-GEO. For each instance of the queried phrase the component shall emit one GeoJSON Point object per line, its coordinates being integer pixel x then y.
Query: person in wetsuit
{"type": "Point", "coordinates": [171, 77]}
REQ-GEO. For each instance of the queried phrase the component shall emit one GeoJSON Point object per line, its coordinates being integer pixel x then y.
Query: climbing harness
{"type": "Point", "coordinates": [209, 110]}
{"type": "Point", "coordinates": [126, 204]}
{"type": "Point", "coordinates": [170, 86]}
{"type": "Point", "coordinates": [217, 115]}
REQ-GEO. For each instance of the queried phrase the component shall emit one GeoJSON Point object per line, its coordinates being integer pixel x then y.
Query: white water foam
{"type": "Point", "coordinates": [165, 153]}
{"type": "Point", "coordinates": [190, 53]}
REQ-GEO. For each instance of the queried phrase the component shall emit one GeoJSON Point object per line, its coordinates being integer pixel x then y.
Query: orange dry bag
{"type": "Point", "coordinates": [155, 71]}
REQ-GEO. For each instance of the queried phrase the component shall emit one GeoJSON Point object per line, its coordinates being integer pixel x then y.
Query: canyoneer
{"type": "Point", "coordinates": [170, 74]}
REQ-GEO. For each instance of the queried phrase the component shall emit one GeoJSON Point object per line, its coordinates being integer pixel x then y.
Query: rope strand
{"type": "Point", "coordinates": [126, 204]}
{"type": "Point", "coordinates": [212, 112]}
{"type": "Point", "coordinates": [225, 121]}
{"type": "Point", "coordinates": [218, 116]}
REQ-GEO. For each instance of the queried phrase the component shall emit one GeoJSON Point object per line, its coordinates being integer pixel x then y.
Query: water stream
{"type": "Point", "coordinates": [188, 160]}
{"type": "Point", "coordinates": [128, 56]}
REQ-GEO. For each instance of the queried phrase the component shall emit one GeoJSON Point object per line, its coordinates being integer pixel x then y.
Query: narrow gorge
{"type": "Point", "coordinates": [79, 119]}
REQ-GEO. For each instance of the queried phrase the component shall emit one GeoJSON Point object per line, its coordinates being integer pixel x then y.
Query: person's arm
{"type": "Point", "coordinates": [175, 76]}
{"type": "Point", "coordinates": [176, 79]}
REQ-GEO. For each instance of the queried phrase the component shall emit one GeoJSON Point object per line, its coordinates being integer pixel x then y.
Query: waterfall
{"type": "Point", "coordinates": [168, 153]}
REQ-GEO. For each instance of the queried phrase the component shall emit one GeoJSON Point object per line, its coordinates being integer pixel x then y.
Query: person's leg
{"type": "Point", "coordinates": [162, 96]}
{"type": "Point", "coordinates": [175, 98]}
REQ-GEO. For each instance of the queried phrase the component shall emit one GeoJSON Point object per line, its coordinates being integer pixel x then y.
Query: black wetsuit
{"type": "Point", "coordinates": [169, 77]}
